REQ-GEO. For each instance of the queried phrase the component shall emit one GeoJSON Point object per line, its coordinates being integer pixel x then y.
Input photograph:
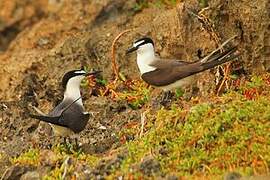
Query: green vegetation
{"type": "Point", "coordinates": [210, 140]}
{"type": "Point", "coordinates": [203, 3]}
{"type": "Point", "coordinates": [207, 138]}
{"type": "Point", "coordinates": [137, 94]}
{"type": "Point", "coordinates": [31, 157]}
{"type": "Point", "coordinates": [58, 157]}
{"type": "Point", "coordinates": [179, 93]}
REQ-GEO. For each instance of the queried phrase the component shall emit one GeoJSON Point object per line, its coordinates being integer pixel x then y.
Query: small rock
{"type": "Point", "coordinates": [3, 107]}
{"type": "Point", "coordinates": [48, 158]}
{"type": "Point", "coordinates": [106, 167]}
{"type": "Point", "coordinates": [31, 175]}
{"type": "Point", "coordinates": [150, 166]}
{"type": "Point", "coordinates": [15, 172]}
{"type": "Point", "coordinates": [232, 176]}
{"type": "Point", "coordinates": [43, 41]}
{"type": "Point", "coordinates": [102, 127]}
{"type": "Point", "coordinates": [172, 177]}
{"type": "Point", "coordinates": [4, 163]}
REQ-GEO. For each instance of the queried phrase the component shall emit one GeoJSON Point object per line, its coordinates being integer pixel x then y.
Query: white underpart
{"type": "Point", "coordinates": [145, 56]}
{"type": "Point", "coordinates": [180, 83]}
{"type": "Point", "coordinates": [73, 89]}
{"type": "Point", "coordinates": [61, 131]}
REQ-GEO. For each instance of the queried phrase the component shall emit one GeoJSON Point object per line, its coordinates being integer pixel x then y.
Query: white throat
{"type": "Point", "coordinates": [73, 89]}
{"type": "Point", "coordinates": [145, 56]}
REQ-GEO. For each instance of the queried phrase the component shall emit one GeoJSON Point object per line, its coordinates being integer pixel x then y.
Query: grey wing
{"type": "Point", "coordinates": [73, 117]}
{"type": "Point", "coordinates": [57, 111]}
{"type": "Point", "coordinates": [67, 114]}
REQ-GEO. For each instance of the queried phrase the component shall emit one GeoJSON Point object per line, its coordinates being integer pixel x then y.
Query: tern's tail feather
{"type": "Point", "coordinates": [48, 119]}
{"type": "Point", "coordinates": [220, 58]}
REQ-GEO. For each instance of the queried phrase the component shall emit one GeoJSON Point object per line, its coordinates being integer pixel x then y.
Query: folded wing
{"type": "Point", "coordinates": [170, 71]}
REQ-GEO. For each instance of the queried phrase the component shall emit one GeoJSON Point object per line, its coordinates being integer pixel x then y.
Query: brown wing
{"type": "Point", "coordinates": [168, 72]}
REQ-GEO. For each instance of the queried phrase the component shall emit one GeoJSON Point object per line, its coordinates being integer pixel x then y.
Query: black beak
{"type": "Point", "coordinates": [130, 50]}
{"type": "Point", "coordinates": [92, 73]}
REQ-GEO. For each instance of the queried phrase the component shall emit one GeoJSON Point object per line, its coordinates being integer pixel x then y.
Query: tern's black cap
{"type": "Point", "coordinates": [71, 74]}
{"type": "Point", "coordinates": [144, 40]}
{"type": "Point", "coordinates": [140, 42]}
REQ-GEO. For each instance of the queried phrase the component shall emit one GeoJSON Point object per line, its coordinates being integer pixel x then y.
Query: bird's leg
{"type": "Point", "coordinates": [169, 96]}
{"type": "Point", "coordinates": [166, 98]}
{"type": "Point", "coordinates": [77, 146]}
{"type": "Point", "coordinates": [65, 142]}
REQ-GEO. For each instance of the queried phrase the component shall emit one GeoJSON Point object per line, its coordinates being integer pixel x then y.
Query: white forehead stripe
{"type": "Point", "coordinates": [137, 43]}
{"type": "Point", "coordinates": [79, 72]}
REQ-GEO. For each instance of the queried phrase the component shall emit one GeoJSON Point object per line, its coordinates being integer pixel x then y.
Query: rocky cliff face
{"type": "Point", "coordinates": [53, 36]}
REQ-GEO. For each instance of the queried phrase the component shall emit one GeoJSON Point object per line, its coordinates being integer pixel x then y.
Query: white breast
{"type": "Point", "coordinates": [143, 67]}
{"type": "Point", "coordinates": [73, 89]}
{"type": "Point", "coordinates": [145, 56]}
{"type": "Point", "coordinates": [180, 83]}
{"type": "Point", "coordinates": [61, 131]}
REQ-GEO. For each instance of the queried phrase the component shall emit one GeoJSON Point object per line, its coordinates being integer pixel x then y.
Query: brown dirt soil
{"type": "Point", "coordinates": [40, 41]}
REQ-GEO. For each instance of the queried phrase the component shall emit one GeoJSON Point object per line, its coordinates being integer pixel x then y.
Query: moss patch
{"type": "Point", "coordinates": [210, 138]}
{"type": "Point", "coordinates": [201, 137]}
